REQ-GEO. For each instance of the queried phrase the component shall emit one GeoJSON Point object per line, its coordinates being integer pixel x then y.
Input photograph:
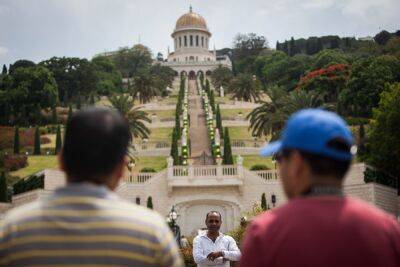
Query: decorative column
{"type": "Point", "coordinates": [170, 167]}
{"type": "Point", "coordinates": [239, 162]}
{"type": "Point", "coordinates": [219, 169]}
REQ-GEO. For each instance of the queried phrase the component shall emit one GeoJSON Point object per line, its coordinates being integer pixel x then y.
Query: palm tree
{"type": "Point", "coordinates": [134, 116]}
{"type": "Point", "coordinates": [144, 87]}
{"type": "Point", "coordinates": [245, 87]}
{"type": "Point", "coordinates": [270, 117]}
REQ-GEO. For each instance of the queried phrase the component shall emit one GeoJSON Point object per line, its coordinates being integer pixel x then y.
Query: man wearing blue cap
{"type": "Point", "coordinates": [319, 226]}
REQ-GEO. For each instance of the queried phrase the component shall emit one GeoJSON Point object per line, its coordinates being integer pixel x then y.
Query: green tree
{"type": "Point", "coordinates": [22, 63]}
{"type": "Point", "coordinates": [212, 100]}
{"type": "Point", "coordinates": [163, 76]}
{"type": "Point", "coordinates": [70, 113]}
{"type": "Point", "coordinates": [30, 88]}
{"type": "Point", "coordinates": [228, 158]}
{"type": "Point", "coordinates": [109, 79]}
{"type": "Point", "coordinates": [218, 120]}
{"type": "Point", "coordinates": [74, 76]}
{"type": "Point", "coordinates": [36, 149]}
{"type": "Point", "coordinates": [54, 117]}
{"type": "Point", "coordinates": [58, 140]}
{"type": "Point", "coordinates": [270, 117]}
{"type": "Point", "coordinates": [328, 57]}
{"type": "Point", "coordinates": [3, 188]}
{"type": "Point", "coordinates": [16, 140]}
{"type": "Point", "coordinates": [361, 141]}
{"type": "Point", "coordinates": [382, 37]}
{"type": "Point", "coordinates": [384, 144]}
{"type": "Point", "coordinates": [4, 71]}
{"type": "Point", "coordinates": [136, 118]}
{"type": "Point", "coordinates": [143, 86]}
{"type": "Point", "coordinates": [130, 61]}
{"type": "Point", "coordinates": [221, 76]}
{"type": "Point", "coordinates": [263, 202]}
{"type": "Point", "coordinates": [367, 80]}
{"type": "Point", "coordinates": [245, 87]}
{"type": "Point", "coordinates": [150, 202]}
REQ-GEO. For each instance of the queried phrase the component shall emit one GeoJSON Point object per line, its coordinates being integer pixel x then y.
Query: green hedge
{"type": "Point", "coordinates": [259, 167]}
{"type": "Point", "coordinates": [356, 121]}
{"type": "Point", "coordinates": [379, 177]}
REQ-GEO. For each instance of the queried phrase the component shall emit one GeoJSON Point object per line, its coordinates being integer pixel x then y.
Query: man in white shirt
{"type": "Point", "coordinates": [212, 248]}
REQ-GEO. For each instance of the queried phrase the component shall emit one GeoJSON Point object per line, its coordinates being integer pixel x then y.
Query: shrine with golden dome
{"type": "Point", "coordinates": [192, 54]}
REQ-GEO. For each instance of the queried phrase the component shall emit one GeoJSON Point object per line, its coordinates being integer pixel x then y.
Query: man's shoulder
{"type": "Point", "coordinates": [352, 210]}
{"type": "Point", "coordinates": [19, 213]}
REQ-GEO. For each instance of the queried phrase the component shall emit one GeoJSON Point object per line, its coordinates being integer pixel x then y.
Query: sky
{"type": "Point", "coordinates": [40, 29]}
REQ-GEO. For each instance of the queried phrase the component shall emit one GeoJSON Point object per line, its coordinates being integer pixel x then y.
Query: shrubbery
{"type": "Point", "coordinates": [15, 162]}
{"type": "Point", "coordinates": [259, 167]}
{"type": "Point", "coordinates": [31, 183]}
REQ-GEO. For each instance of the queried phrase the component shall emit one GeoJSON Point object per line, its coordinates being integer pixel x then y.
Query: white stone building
{"type": "Point", "coordinates": [192, 53]}
{"type": "Point", "coordinates": [229, 189]}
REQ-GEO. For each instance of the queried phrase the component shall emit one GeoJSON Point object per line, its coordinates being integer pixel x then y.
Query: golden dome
{"type": "Point", "coordinates": [191, 20]}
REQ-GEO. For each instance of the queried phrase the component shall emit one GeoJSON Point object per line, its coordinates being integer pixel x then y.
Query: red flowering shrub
{"type": "Point", "coordinates": [328, 81]}
{"type": "Point", "coordinates": [26, 137]}
{"type": "Point", "coordinates": [15, 162]}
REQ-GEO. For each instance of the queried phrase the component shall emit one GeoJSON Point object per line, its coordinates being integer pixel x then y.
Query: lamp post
{"type": "Point", "coordinates": [172, 217]}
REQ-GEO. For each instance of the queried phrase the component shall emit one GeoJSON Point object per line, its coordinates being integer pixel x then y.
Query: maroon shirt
{"type": "Point", "coordinates": [323, 231]}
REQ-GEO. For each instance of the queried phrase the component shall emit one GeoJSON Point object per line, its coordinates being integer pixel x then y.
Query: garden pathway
{"type": "Point", "coordinates": [200, 145]}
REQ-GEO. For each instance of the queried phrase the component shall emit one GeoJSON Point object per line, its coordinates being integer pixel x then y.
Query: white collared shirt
{"type": "Point", "coordinates": [203, 245]}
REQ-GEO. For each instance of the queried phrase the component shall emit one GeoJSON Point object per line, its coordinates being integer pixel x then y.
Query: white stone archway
{"type": "Point", "coordinates": [192, 214]}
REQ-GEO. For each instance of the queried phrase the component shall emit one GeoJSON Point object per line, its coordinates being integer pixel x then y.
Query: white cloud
{"type": "Point", "coordinates": [3, 50]}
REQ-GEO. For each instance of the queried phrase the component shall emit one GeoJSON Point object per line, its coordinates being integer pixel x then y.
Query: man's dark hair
{"type": "Point", "coordinates": [326, 166]}
{"type": "Point", "coordinates": [215, 212]}
{"type": "Point", "coordinates": [96, 141]}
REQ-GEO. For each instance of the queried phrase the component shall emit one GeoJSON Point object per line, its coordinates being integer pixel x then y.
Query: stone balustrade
{"type": "Point", "coordinates": [268, 175]}
{"type": "Point", "coordinates": [141, 177]}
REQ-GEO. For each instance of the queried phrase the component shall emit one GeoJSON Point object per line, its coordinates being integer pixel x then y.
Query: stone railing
{"type": "Point", "coordinates": [267, 174]}
{"type": "Point", "coordinates": [238, 143]}
{"type": "Point", "coordinates": [210, 171]}
{"type": "Point", "coordinates": [152, 144]}
{"type": "Point", "coordinates": [138, 178]}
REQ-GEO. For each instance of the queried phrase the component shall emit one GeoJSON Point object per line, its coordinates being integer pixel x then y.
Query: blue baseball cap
{"type": "Point", "coordinates": [310, 130]}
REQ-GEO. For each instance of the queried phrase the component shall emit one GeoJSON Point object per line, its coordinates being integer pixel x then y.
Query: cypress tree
{"type": "Point", "coordinates": [58, 140]}
{"type": "Point", "coordinates": [228, 159]}
{"type": "Point", "coordinates": [3, 188]}
{"type": "Point", "coordinates": [36, 149]}
{"type": "Point", "coordinates": [4, 72]}
{"type": "Point", "coordinates": [92, 102]}
{"type": "Point", "coordinates": [219, 120]}
{"type": "Point", "coordinates": [38, 115]}
{"type": "Point", "coordinates": [212, 100]}
{"type": "Point", "coordinates": [16, 140]}
{"type": "Point", "coordinates": [79, 103]}
{"type": "Point", "coordinates": [54, 117]}
{"type": "Point", "coordinates": [208, 87]}
{"type": "Point", "coordinates": [263, 202]}
{"type": "Point", "coordinates": [70, 113]}
{"type": "Point", "coordinates": [150, 202]}
{"type": "Point", "coordinates": [361, 141]}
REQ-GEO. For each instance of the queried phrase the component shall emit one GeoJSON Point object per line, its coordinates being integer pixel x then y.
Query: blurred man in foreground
{"type": "Point", "coordinates": [85, 223]}
{"type": "Point", "coordinates": [211, 247]}
{"type": "Point", "coordinates": [319, 226]}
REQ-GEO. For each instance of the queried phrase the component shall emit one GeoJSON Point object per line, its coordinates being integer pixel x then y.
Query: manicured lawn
{"type": "Point", "coordinates": [52, 143]}
{"type": "Point", "coordinates": [36, 164]}
{"type": "Point", "coordinates": [235, 112]}
{"type": "Point", "coordinates": [156, 163]}
{"type": "Point", "coordinates": [161, 133]}
{"type": "Point", "coordinates": [162, 114]}
{"type": "Point", "coordinates": [240, 133]}
{"type": "Point", "coordinates": [251, 160]}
